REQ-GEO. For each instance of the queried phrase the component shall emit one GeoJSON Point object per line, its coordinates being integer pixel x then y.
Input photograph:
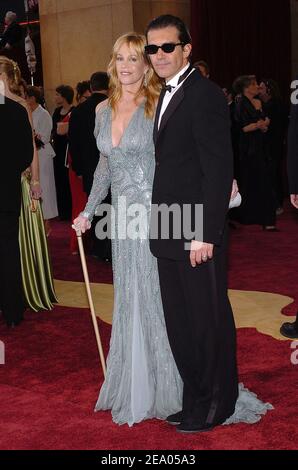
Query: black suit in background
{"type": "Point", "coordinates": [12, 35]}
{"type": "Point", "coordinates": [60, 143]}
{"type": "Point", "coordinates": [293, 150]}
{"type": "Point", "coordinates": [276, 136]}
{"type": "Point", "coordinates": [85, 155]}
{"type": "Point", "coordinates": [82, 143]}
{"type": "Point", "coordinates": [194, 165]}
{"type": "Point", "coordinates": [17, 155]}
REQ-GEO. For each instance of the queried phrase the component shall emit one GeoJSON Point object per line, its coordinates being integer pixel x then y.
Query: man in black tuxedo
{"type": "Point", "coordinates": [17, 155]}
{"type": "Point", "coordinates": [13, 32]}
{"type": "Point", "coordinates": [290, 330]}
{"type": "Point", "coordinates": [84, 151]}
{"type": "Point", "coordinates": [194, 166]}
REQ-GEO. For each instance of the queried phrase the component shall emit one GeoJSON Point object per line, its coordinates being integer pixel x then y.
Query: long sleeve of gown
{"type": "Point", "coordinates": [100, 188]}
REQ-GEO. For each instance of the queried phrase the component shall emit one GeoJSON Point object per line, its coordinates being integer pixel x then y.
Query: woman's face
{"type": "Point", "coordinates": [59, 99]}
{"type": "Point", "coordinates": [130, 67]}
{"type": "Point", "coordinates": [253, 88]}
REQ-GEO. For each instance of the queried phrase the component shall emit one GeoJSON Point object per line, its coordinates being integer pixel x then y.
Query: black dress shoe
{"type": "Point", "coordinates": [189, 427]}
{"type": "Point", "coordinates": [175, 419]}
{"type": "Point", "coordinates": [290, 330]}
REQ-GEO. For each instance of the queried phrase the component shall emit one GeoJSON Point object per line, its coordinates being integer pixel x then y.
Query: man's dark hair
{"type": "Point", "coordinates": [81, 88]}
{"type": "Point", "coordinates": [66, 92]}
{"type": "Point", "coordinates": [99, 81]}
{"type": "Point", "coordinates": [164, 21]}
{"type": "Point", "coordinates": [272, 88]}
{"type": "Point", "coordinates": [34, 91]}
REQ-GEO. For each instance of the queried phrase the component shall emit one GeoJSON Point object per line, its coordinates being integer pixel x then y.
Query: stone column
{"type": "Point", "coordinates": [77, 38]}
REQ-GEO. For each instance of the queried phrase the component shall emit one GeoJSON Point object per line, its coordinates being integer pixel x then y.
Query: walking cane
{"type": "Point", "coordinates": [90, 300]}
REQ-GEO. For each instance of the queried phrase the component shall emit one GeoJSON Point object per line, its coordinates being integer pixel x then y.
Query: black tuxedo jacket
{"type": "Point", "coordinates": [194, 161]}
{"type": "Point", "coordinates": [293, 150]}
{"type": "Point", "coordinates": [82, 143]}
{"type": "Point", "coordinates": [16, 145]}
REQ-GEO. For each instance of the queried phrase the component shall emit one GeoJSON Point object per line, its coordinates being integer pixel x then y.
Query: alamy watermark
{"type": "Point", "coordinates": [2, 353]}
{"type": "Point", "coordinates": [2, 92]}
{"type": "Point", "coordinates": [137, 221]}
{"type": "Point", "coordinates": [294, 355]}
{"type": "Point", "coordinates": [294, 94]}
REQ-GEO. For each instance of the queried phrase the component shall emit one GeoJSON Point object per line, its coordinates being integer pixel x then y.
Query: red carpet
{"type": "Point", "coordinates": [51, 379]}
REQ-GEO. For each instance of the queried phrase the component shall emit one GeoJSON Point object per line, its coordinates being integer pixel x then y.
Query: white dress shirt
{"type": "Point", "coordinates": [169, 95]}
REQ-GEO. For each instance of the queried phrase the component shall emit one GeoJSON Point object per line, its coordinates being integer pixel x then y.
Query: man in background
{"type": "Point", "coordinates": [84, 151]}
{"type": "Point", "coordinates": [13, 32]}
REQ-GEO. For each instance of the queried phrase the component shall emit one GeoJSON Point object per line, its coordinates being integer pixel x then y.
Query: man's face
{"type": "Point", "coordinates": [167, 65]}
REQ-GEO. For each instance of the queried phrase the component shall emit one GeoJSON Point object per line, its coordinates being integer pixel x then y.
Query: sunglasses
{"type": "Point", "coordinates": [152, 49]}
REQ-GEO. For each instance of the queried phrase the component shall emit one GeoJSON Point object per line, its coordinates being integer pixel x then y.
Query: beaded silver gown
{"type": "Point", "coordinates": [142, 380]}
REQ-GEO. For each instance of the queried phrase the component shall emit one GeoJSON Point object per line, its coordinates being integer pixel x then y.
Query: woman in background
{"type": "Point", "coordinates": [37, 279]}
{"type": "Point", "coordinates": [255, 182]}
{"type": "Point", "coordinates": [42, 123]}
{"type": "Point", "coordinates": [64, 99]}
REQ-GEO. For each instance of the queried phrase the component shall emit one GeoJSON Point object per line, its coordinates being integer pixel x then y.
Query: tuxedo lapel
{"type": "Point", "coordinates": [157, 114]}
{"type": "Point", "coordinates": [173, 105]}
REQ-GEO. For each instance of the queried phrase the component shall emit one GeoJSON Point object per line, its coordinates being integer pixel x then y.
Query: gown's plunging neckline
{"type": "Point", "coordinates": [125, 130]}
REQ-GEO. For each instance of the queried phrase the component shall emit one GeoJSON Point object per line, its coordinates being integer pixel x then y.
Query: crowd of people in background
{"type": "Point", "coordinates": [259, 121]}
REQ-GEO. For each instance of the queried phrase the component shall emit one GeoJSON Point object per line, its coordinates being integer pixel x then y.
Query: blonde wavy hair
{"type": "Point", "coordinates": [12, 71]}
{"type": "Point", "coordinates": [151, 85]}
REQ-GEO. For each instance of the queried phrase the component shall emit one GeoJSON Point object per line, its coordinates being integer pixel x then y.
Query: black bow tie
{"type": "Point", "coordinates": [169, 88]}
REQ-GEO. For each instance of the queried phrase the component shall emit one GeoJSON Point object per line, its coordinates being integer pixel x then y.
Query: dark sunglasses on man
{"type": "Point", "coordinates": [152, 49]}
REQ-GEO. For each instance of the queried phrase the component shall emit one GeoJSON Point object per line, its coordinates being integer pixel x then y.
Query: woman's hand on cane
{"type": "Point", "coordinates": [81, 224]}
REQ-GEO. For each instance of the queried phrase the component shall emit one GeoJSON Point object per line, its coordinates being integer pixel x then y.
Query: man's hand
{"type": "Point", "coordinates": [200, 253]}
{"type": "Point", "coordinates": [294, 200]}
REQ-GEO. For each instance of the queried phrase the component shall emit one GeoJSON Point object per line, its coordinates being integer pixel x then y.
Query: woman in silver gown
{"type": "Point", "coordinates": [142, 380]}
